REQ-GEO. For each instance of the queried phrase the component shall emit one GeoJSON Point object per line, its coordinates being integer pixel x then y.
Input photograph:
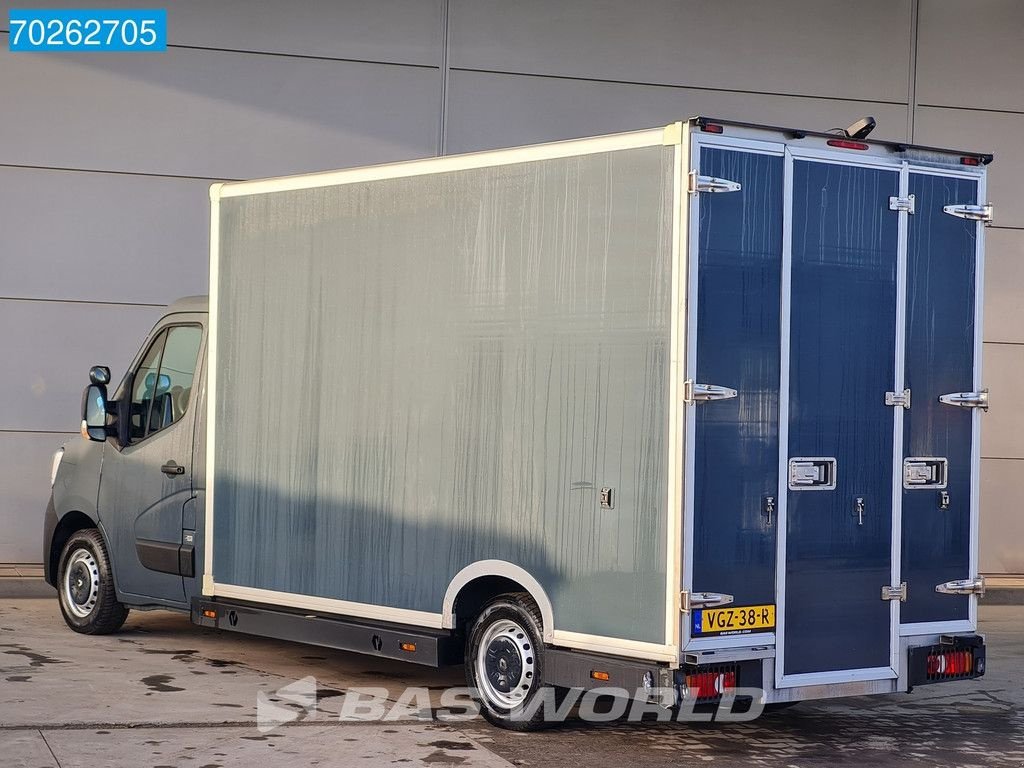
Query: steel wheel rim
{"type": "Point", "coordinates": [81, 587]}
{"type": "Point", "coordinates": [505, 664]}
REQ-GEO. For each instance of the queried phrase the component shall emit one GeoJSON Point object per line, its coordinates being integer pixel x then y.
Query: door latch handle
{"type": "Point", "coordinates": [858, 509]}
{"type": "Point", "coordinates": [768, 509]}
{"type": "Point", "coordinates": [172, 468]}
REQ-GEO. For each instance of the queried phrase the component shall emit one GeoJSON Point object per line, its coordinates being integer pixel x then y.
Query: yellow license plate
{"type": "Point", "coordinates": [734, 620]}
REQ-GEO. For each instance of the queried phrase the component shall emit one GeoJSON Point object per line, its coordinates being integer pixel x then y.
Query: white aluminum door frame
{"type": "Point", "coordinates": [783, 680]}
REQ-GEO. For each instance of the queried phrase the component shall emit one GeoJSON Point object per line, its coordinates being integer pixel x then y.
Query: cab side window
{"type": "Point", "coordinates": [163, 381]}
{"type": "Point", "coordinates": [144, 388]}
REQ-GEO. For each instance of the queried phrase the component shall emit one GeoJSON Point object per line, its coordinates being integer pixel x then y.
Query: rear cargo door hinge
{"type": "Point", "coordinates": [895, 593]}
{"type": "Point", "coordinates": [977, 399]}
{"type": "Point", "coordinates": [689, 601]}
{"type": "Point", "coordinates": [899, 399]}
{"type": "Point", "coordinates": [963, 587]}
{"type": "Point", "coordinates": [902, 204]}
{"type": "Point", "coordinates": [700, 183]}
{"type": "Point", "coordinates": [970, 212]}
{"type": "Point", "coordinates": [703, 393]}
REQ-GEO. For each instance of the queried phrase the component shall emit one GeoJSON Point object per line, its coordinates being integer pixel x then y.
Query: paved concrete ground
{"type": "Point", "coordinates": [165, 693]}
{"type": "Point", "coordinates": [22, 580]}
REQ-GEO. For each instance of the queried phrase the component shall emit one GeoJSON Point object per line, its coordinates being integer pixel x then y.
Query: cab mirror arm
{"type": "Point", "coordinates": [122, 413]}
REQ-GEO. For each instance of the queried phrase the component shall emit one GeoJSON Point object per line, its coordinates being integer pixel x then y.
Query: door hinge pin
{"type": "Point", "coordinates": [895, 593]}
{"type": "Point", "coordinates": [700, 183]}
{"type": "Point", "coordinates": [977, 399]}
{"type": "Point", "coordinates": [691, 600]}
{"type": "Point", "coordinates": [963, 587]}
{"type": "Point", "coordinates": [970, 212]}
{"type": "Point", "coordinates": [703, 393]}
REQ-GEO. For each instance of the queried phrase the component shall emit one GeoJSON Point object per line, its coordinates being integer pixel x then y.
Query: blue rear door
{"type": "Point", "coordinates": [839, 458]}
{"type": "Point", "coordinates": [940, 359]}
{"type": "Point", "coordinates": [736, 440]}
{"type": "Point", "coordinates": [820, 490]}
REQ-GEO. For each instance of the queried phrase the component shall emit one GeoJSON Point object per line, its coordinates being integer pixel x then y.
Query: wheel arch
{"type": "Point", "coordinates": [491, 577]}
{"type": "Point", "coordinates": [68, 524]}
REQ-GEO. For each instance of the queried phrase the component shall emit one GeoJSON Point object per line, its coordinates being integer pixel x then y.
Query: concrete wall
{"type": "Point", "coordinates": [104, 159]}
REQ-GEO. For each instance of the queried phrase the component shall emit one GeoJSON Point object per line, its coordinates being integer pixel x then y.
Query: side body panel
{"type": "Point", "coordinates": [464, 361]}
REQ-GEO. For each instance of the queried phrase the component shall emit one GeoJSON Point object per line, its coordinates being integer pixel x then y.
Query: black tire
{"type": "Point", "coordinates": [507, 637]}
{"type": "Point", "coordinates": [85, 586]}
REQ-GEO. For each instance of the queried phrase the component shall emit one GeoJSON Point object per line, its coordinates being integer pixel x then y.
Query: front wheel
{"type": "Point", "coordinates": [85, 586]}
{"type": "Point", "coordinates": [505, 663]}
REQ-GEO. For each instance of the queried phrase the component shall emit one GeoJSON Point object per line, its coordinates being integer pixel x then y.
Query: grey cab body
{"type": "Point", "coordinates": [142, 487]}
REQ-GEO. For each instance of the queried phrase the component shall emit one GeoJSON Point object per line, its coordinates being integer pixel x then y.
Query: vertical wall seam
{"type": "Point", "coordinates": [915, 20]}
{"type": "Point", "coordinates": [442, 141]}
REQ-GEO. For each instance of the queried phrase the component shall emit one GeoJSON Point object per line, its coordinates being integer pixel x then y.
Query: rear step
{"type": "Point", "coordinates": [432, 648]}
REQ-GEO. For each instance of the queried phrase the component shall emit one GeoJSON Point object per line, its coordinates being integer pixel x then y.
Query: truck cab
{"type": "Point", "coordinates": [127, 501]}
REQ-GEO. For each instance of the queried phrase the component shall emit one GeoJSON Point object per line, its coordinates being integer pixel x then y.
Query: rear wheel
{"type": "Point", "coordinates": [505, 662]}
{"type": "Point", "coordinates": [85, 586]}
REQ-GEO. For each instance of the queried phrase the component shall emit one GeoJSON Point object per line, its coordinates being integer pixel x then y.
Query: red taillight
{"type": "Point", "coordinates": [970, 161]}
{"type": "Point", "coordinates": [950, 664]}
{"type": "Point", "coordinates": [847, 144]}
{"type": "Point", "coordinates": [712, 128]}
{"type": "Point", "coordinates": [710, 685]}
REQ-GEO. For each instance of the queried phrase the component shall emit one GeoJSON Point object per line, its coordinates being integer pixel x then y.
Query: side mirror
{"type": "Point", "coordinates": [94, 412]}
{"type": "Point", "coordinates": [99, 374]}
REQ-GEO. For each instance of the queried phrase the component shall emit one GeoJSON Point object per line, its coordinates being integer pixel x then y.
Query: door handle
{"type": "Point", "coordinates": [171, 468]}
{"type": "Point", "coordinates": [858, 509]}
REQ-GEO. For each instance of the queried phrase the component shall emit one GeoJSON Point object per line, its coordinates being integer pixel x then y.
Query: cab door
{"type": "Point", "coordinates": [147, 482]}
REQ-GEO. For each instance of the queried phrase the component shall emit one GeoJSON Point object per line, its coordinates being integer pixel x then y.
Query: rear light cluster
{"type": "Point", "coordinates": [960, 657]}
{"type": "Point", "coordinates": [710, 684]}
{"type": "Point", "coordinates": [950, 665]}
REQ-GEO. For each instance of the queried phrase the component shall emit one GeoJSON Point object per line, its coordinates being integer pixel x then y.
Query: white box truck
{"type": "Point", "coordinates": [694, 407]}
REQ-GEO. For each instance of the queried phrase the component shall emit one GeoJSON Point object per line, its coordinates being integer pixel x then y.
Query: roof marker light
{"type": "Point", "coordinates": [970, 161]}
{"type": "Point", "coordinates": [712, 128]}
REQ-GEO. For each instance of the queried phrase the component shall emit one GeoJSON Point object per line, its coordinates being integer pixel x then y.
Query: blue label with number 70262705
{"type": "Point", "coordinates": [81, 30]}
